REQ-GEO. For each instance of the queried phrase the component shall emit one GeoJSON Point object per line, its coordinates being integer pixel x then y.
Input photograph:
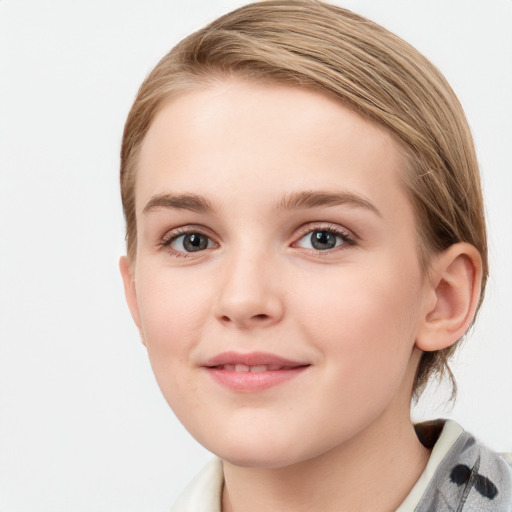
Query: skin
{"type": "Point", "coordinates": [338, 436]}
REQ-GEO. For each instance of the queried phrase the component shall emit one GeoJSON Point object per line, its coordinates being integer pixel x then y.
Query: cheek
{"type": "Point", "coordinates": [364, 321]}
{"type": "Point", "coordinates": [171, 316]}
{"type": "Point", "coordinates": [173, 312]}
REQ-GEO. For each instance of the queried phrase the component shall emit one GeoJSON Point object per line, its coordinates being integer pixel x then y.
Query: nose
{"type": "Point", "coordinates": [250, 293]}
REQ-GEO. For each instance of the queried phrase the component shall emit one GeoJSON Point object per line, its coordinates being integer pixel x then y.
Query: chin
{"type": "Point", "coordinates": [259, 451]}
{"type": "Point", "coordinates": [257, 459]}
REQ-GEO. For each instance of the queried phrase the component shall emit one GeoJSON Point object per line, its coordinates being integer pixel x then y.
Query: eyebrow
{"type": "Point", "coordinates": [315, 199]}
{"type": "Point", "coordinates": [191, 202]}
{"type": "Point", "coordinates": [293, 201]}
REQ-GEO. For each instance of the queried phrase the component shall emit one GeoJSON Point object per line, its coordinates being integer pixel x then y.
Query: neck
{"type": "Point", "coordinates": [350, 478]}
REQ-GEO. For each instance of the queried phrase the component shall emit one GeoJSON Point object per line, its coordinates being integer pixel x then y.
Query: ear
{"type": "Point", "coordinates": [130, 293]}
{"type": "Point", "coordinates": [453, 296]}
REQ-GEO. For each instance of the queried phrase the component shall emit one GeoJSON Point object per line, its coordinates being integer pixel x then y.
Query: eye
{"type": "Point", "coordinates": [189, 242]}
{"type": "Point", "coordinates": [324, 240]}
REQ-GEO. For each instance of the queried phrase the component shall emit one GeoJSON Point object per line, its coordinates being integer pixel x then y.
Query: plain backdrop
{"type": "Point", "coordinates": [83, 426]}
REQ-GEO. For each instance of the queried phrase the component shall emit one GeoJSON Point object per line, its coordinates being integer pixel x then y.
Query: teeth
{"type": "Point", "coordinates": [244, 368]}
{"type": "Point", "coordinates": [260, 368]}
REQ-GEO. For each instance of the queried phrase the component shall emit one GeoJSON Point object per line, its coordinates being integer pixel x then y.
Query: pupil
{"type": "Point", "coordinates": [194, 242]}
{"type": "Point", "coordinates": [322, 240]}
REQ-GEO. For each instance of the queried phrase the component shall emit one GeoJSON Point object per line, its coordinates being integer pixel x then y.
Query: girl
{"type": "Point", "coordinates": [306, 247]}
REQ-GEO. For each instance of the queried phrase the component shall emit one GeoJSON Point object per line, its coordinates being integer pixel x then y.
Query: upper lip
{"type": "Point", "coordinates": [250, 359]}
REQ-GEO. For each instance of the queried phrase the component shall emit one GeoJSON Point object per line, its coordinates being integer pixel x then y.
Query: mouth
{"type": "Point", "coordinates": [244, 368]}
{"type": "Point", "coordinates": [255, 371]}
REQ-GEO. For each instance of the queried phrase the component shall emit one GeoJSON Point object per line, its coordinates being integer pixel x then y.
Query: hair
{"type": "Point", "coordinates": [324, 48]}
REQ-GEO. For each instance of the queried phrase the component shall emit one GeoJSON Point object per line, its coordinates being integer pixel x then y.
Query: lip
{"type": "Point", "coordinates": [250, 359]}
{"type": "Point", "coordinates": [221, 369]}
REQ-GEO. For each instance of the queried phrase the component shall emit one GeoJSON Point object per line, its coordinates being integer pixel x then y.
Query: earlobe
{"type": "Point", "coordinates": [454, 288]}
{"type": "Point", "coordinates": [130, 292]}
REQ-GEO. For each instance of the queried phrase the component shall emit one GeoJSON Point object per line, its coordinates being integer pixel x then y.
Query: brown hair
{"type": "Point", "coordinates": [314, 45]}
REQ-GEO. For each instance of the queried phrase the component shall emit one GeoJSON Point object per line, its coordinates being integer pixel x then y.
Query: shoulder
{"type": "Point", "coordinates": [507, 457]}
{"type": "Point", "coordinates": [204, 492]}
{"type": "Point", "coordinates": [469, 475]}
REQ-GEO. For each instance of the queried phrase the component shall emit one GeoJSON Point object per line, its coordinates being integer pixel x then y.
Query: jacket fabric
{"type": "Point", "coordinates": [470, 478]}
{"type": "Point", "coordinates": [462, 475]}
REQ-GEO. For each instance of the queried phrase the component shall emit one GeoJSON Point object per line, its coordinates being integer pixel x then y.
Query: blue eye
{"type": "Point", "coordinates": [191, 242]}
{"type": "Point", "coordinates": [323, 240]}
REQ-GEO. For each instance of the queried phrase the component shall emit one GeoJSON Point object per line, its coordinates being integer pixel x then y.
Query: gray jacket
{"type": "Point", "coordinates": [470, 478]}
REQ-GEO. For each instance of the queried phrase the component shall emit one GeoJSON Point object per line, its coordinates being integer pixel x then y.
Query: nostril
{"type": "Point", "coordinates": [248, 312]}
{"type": "Point", "coordinates": [262, 317]}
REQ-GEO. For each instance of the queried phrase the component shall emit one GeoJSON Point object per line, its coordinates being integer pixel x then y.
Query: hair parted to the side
{"type": "Point", "coordinates": [322, 47]}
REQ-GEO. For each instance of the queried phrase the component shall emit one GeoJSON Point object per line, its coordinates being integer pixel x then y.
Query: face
{"type": "Point", "coordinates": [277, 285]}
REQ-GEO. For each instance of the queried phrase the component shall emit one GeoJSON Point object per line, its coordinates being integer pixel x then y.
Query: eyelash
{"type": "Point", "coordinates": [171, 236]}
{"type": "Point", "coordinates": [346, 237]}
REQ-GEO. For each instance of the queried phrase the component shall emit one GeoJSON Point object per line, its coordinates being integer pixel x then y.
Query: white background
{"type": "Point", "coordinates": [82, 424]}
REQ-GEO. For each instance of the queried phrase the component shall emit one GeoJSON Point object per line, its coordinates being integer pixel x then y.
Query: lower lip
{"type": "Point", "coordinates": [254, 381]}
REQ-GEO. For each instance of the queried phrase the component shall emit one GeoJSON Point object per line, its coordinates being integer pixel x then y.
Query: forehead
{"type": "Point", "coordinates": [262, 141]}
